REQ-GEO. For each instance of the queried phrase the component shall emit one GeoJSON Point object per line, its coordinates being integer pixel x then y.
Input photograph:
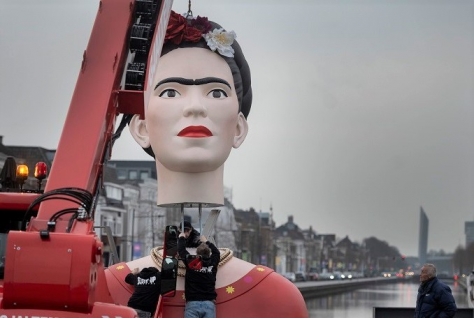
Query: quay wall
{"type": "Point", "coordinates": [314, 289]}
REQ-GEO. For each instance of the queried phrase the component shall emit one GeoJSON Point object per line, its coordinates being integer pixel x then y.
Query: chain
{"type": "Point", "coordinates": [189, 14]}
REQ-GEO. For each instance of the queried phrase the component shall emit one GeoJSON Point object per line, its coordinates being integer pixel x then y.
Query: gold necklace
{"type": "Point", "coordinates": [157, 256]}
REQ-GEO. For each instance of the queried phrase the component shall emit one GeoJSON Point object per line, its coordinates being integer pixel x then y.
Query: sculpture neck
{"type": "Point", "coordinates": [176, 188]}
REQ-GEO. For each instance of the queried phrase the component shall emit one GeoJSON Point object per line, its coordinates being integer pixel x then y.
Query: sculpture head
{"type": "Point", "coordinates": [202, 96]}
{"type": "Point", "coordinates": [188, 54]}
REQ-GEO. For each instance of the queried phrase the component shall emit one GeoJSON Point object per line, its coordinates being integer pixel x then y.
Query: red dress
{"type": "Point", "coordinates": [260, 293]}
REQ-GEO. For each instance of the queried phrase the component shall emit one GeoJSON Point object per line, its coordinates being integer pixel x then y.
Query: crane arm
{"type": "Point", "coordinates": [55, 267]}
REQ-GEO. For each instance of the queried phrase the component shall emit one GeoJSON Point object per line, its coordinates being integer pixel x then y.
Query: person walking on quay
{"type": "Point", "coordinates": [435, 299]}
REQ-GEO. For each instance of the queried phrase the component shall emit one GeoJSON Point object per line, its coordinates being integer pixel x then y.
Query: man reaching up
{"type": "Point", "coordinates": [200, 278]}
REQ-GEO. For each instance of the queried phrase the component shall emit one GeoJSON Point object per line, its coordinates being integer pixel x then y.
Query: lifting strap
{"type": "Point", "coordinates": [210, 222]}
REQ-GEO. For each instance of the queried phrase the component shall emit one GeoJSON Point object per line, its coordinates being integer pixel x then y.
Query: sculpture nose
{"type": "Point", "coordinates": [195, 105]}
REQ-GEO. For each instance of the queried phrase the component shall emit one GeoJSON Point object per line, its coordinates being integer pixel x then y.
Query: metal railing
{"type": "Point", "coordinates": [408, 312]}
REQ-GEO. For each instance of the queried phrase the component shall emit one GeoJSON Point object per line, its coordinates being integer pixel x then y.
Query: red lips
{"type": "Point", "coordinates": [195, 131]}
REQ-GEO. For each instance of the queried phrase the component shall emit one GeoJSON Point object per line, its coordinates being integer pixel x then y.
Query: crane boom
{"type": "Point", "coordinates": [54, 267]}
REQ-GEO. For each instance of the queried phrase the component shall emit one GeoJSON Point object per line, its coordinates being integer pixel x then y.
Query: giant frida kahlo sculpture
{"type": "Point", "coordinates": [195, 116]}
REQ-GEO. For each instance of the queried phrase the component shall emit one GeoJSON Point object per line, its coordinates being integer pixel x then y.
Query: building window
{"type": "Point", "coordinates": [118, 229]}
{"type": "Point", "coordinates": [113, 192]}
{"type": "Point", "coordinates": [105, 222]}
{"type": "Point", "coordinates": [132, 174]}
{"type": "Point", "coordinates": [144, 175]}
{"type": "Point", "coordinates": [121, 174]}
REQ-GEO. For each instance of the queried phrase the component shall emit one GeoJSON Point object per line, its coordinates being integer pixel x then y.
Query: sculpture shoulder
{"type": "Point", "coordinates": [261, 292]}
{"type": "Point", "coordinates": [243, 289]}
{"type": "Point", "coordinates": [283, 297]}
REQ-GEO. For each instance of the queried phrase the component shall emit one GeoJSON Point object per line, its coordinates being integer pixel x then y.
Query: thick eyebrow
{"type": "Point", "coordinates": [202, 81]}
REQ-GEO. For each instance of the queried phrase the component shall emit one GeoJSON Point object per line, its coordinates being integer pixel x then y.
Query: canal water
{"type": "Point", "coordinates": [359, 303]}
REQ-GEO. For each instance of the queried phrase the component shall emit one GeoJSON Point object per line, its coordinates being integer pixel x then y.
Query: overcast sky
{"type": "Point", "coordinates": [362, 111]}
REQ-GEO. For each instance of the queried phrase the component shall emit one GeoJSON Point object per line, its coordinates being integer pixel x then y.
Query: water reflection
{"type": "Point", "coordinates": [359, 303]}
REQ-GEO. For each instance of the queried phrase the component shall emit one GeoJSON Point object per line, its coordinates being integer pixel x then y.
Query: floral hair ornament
{"type": "Point", "coordinates": [193, 29]}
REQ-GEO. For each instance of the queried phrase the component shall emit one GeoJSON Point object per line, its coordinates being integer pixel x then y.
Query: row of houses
{"type": "Point", "coordinates": [131, 224]}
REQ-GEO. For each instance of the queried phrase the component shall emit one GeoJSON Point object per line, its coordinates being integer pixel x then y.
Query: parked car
{"type": "Point", "coordinates": [291, 276]}
{"type": "Point", "coordinates": [300, 276]}
{"type": "Point", "coordinates": [346, 275]}
{"type": "Point", "coordinates": [335, 275]}
{"type": "Point", "coordinates": [313, 274]}
{"type": "Point", "coordinates": [325, 275]}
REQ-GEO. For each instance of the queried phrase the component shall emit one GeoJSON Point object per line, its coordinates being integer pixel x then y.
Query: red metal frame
{"type": "Point", "coordinates": [91, 117]}
{"type": "Point", "coordinates": [61, 274]}
{"type": "Point", "coordinates": [16, 201]}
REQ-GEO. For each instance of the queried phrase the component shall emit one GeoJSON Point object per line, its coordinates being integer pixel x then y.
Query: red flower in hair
{"type": "Point", "coordinates": [176, 27]}
{"type": "Point", "coordinates": [202, 24]}
{"type": "Point", "coordinates": [192, 34]}
{"type": "Point", "coordinates": [180, 29]}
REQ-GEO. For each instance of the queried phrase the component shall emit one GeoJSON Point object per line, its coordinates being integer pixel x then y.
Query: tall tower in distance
{"type": "Point", "coordinates": [423, 237]}
{"type": "Point", "coordinates": [469, 232]}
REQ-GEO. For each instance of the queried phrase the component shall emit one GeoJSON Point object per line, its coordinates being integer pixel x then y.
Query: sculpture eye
{"type": "Point", "coordinates": [169, 93]}
{"type": "Point", "coordinates": [217, 94]}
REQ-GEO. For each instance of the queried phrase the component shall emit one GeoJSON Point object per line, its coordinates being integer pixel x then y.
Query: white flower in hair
{"type": "Point", "coordinates": [221, 40]}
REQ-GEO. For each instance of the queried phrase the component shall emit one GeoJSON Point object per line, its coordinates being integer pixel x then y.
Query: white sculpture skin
{"type": "Point", "coordinates": [190, 169]}
{"type": "Point", "coordinates": [191, 128]}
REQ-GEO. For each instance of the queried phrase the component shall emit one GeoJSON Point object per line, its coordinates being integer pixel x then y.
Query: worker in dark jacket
{"type": "Point", "coordinates": [435, 299]}
{"type": "Point", "coordinates": [200, 278]}
{"type": "Point", "coordinates": [191, 234]}
{"type": "Point", "coordinates": [147, 283]}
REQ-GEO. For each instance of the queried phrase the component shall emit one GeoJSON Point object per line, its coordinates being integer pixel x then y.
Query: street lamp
{"type": "Point", "coordinates": [364, 252]}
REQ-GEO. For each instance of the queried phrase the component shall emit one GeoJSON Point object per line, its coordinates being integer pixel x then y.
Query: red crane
{"type": "Point", "coordinates": [53, 265]}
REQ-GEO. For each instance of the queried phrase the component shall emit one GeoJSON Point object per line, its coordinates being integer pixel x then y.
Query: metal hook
{"type": "Point", "coordinates": [189, 14]}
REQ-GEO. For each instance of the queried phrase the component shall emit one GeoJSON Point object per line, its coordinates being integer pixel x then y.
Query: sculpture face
{"type": "Point", "coordinates": [192, 120]}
